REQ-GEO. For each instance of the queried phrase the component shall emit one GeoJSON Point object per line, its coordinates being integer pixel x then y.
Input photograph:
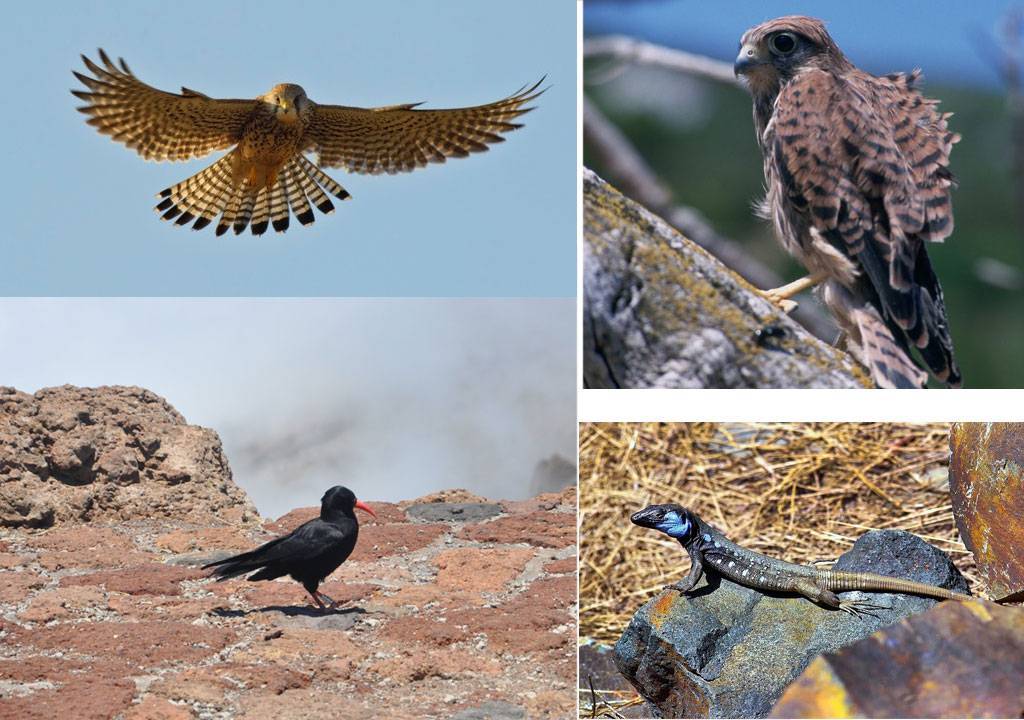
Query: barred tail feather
{"type": "Point", "coordinates": [199, 197]}
{"type": "Point", "coordinates": [297, 199]}
{"type": "Point", "coordinates": [319, 176]}
{"type": "Point", "coordinates": [261, 213]}
{"type": "Point", "coordinates": [211, 193]}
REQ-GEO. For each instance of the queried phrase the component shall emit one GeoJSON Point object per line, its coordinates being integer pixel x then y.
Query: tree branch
{"type": "Point", "coordinates": [629, 49]}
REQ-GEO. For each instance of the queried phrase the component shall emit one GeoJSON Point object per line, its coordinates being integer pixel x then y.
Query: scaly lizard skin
{"type": "Point", "coordinates": [710, 550]}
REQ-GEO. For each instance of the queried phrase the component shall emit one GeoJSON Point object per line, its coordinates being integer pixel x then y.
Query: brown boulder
{"type": "Point", "coordinates": [109, 453]}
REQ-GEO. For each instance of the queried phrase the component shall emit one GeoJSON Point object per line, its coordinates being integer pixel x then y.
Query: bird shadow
{"type": "Point", "coordinates": [289, 610]}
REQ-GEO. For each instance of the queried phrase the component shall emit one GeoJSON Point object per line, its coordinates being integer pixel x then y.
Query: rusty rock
{"type": "Point", "coordinates": [986, 487]}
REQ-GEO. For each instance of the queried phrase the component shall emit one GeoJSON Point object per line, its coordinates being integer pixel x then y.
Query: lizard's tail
{"type": "Point", "coordinates": [840, 581]}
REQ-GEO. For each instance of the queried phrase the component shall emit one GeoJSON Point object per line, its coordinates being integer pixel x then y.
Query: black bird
{"type": "Point", "coordinates": [309, 553]}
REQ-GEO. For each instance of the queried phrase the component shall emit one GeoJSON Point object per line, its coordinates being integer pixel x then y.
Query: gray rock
{"type": "Point", "coordinates": [661, 312]}
{"type": "Point", "coordinates": [453, 512]}
{"type": "Point", "coordinates": [492, 710]}
{"type": "Point", "coordinates": [729, 651]}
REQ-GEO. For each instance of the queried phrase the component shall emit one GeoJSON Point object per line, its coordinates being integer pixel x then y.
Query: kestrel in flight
{"type": "Point", "coordinates": [857, 171]}
{"type": "Point", "coordinates": [267, 172]}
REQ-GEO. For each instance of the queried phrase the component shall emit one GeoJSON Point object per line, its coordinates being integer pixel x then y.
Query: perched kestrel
{"type": "Point", "coordinates": [267, 171]}
{"type": "Point", "coordinates": [857, 173]}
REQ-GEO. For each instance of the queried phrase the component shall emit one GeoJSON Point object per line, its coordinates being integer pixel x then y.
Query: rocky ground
{"type": "Point", "coordinates": [452, 606]}
{"type": "Point", "coordinates": [450, 610]}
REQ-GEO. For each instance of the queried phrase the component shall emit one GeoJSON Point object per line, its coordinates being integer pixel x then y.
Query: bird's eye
{"type": "Point", "coordinates": [783, 43]}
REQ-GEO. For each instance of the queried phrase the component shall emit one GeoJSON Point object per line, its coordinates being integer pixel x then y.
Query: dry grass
{"type": "Point", "coordinates": [803, 492]}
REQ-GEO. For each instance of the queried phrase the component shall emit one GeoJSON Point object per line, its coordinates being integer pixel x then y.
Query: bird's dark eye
{"type": "Point", "coordinates": [783, 43]}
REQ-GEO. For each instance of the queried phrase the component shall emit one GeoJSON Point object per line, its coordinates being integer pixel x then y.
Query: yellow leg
{"type": "Point", "coordinates": [780, 296]}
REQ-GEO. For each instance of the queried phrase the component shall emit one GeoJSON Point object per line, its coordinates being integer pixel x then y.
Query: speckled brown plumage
{"type": "Point", "coordinates": [858, 179]}
{"type": "Point", "coordinates": [266, 176]}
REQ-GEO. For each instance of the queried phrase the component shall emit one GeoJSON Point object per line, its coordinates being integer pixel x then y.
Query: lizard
{"type": "Point", "coordinates": [710, 551]}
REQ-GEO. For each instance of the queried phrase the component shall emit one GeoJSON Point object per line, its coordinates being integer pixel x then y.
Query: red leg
{"type": "Point", "coordinates": [317, 601]}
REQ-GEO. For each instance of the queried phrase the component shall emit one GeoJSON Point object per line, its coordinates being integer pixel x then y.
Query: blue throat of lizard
{"type": "Point", "coordinates": [676, 526]}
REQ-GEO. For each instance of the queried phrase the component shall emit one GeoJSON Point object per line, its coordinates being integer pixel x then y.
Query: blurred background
{"type": "Point", "coordinates": [395, 398]}
{"type": "Point", "coordinates": [695, 142]}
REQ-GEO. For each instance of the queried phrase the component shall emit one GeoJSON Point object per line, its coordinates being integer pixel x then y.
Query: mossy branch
{"type": "Point", "coordinates": [661, 312]}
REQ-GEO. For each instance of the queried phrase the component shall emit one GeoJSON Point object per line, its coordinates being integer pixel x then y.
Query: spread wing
{"type": "Point", "coordinates": [401, 138]}
{"type": "Point", "coordinates": [866, 159]}
{"type": "Point", "coordinates": [156, 124]}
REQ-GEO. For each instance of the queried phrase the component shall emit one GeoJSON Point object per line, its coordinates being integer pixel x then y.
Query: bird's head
{"type": "Point", "coordinates": [340, 500]}
{"type": "Point", "coordinates": [287, 101]}
{"type": "Point", "coordinates": [773, 52]}
{"type": "Point", "coordinates": [673, 520]}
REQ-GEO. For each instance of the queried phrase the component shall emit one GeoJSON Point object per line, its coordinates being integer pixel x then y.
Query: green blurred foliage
{"type": "Point", "coordinates": [716, 167]}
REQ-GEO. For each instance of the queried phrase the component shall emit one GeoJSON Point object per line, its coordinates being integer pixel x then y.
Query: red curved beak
{"type": "Point", "coordinates": [363, 506]}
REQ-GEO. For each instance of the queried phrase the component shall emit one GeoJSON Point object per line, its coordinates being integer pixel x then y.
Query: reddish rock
{"type": "Point", "coordinates": [145, 643]}
{"type": "Point", "coordinates": [272, 678]}
{"type": "Point", "coordinates": [152, 579]}
{"type": "Point", "coordinates": [194, 685]}
{"type": "Point", "coordinates": [416, 664]}
{"type": "Point", "coordinates": [315, 704]}
{"type": "Point", "coordinates": [430, 595]}
{"type": "Point", "coordinates": [16, 586]}
{"type": "Point", "coordinates": [62, 603]}
{"type": "Point", "coordinates": [154, 708]}
{"type": "Point", "coordinates": [83, 537]}
{"type": "Point", "coordinates": [477, 570]}
{"type": "Point", "coordinates": [454, 495]}
{"type": "Point", "coordinates": [217, 538]}
{"type": "Point", "coordinates": [78, 546]}
{"type": "Point", "coordinates": [296, 645]}
{"type": "Point", "coordinates": [533, 621]}
{"type": "Point", "coordinates": [541, 529]}
{"type": "Point", "coordinates": [34, 668]}
{"type": "Point", "coordinates": [90, 697]}
{"type": "Point", "coordinates": [161, 607]}
{"type": "Point", "coordinates": [545, 502]}
{"type": "Point", "coordinates": [91, 558]}
{"type": "Point", "coordinates": [9, 561]}
{"type": "Point", "coordinates": [377, 541]}
{"type": "Point", "coordinates": [566, 565]}
{"type": "Point", "coordinates": [425, 629]}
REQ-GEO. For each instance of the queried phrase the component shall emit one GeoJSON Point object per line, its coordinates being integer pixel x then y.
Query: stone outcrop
{"type": "Point", "coordinates": [70, 454]}
{"type": "Point", "coordinates": [659, 311]}
{"type": "Point", "coordinates": [973, 650]}
{"type": "Point", "coordinates": [729, 651]}
{"type": "Point", "coordinates": [466, 611]}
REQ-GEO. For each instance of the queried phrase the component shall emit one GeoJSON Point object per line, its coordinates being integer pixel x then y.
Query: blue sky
{"type": "Point", "coordinates": [78, 207]}
{"type": "Point", "coordinates": [951, 41]}
{"type": "Point", "coordinates": [394, 398]}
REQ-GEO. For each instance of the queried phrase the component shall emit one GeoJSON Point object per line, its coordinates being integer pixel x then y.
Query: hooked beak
{"type": "Point", "coordinates": [364, 507]}
{"type": "Point", "coordinates": [748, 58]}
